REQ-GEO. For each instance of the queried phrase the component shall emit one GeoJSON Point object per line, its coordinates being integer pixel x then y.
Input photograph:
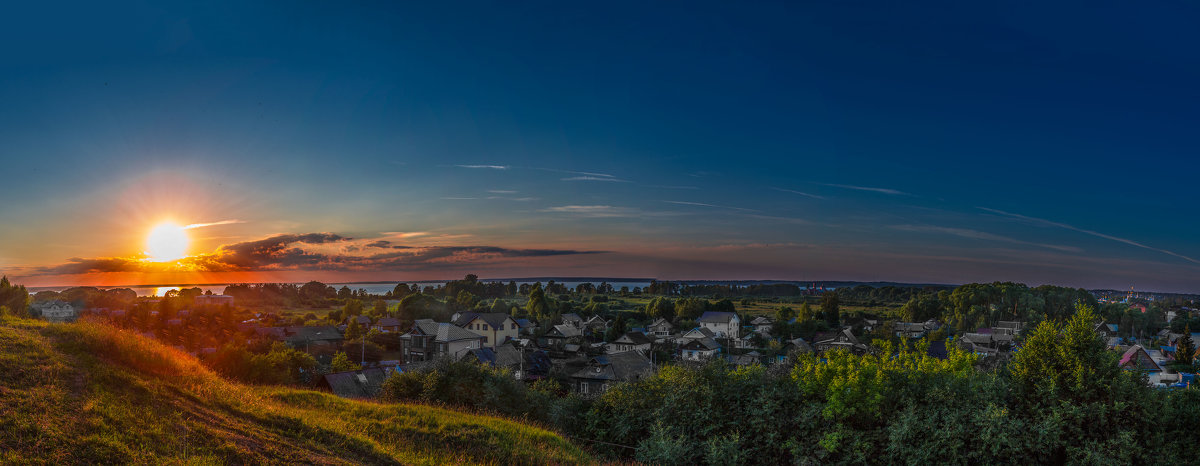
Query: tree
{"type": "Point", "coordinates": [354, 330]}
{"type": "Point", "coordinates": [829, 307]}
{"type": "Point", "coordinates": [538, 306]}
{"type": "Point", "coordinates": [1185, 348]}
{"type": "Point", "coordinates": [14, 298]}
{"type": "Point", "coordinates": [342, 363]}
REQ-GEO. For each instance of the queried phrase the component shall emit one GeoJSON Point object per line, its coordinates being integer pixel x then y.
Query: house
{"type": "Point", "coordinates": [57, 311]}
{"type": "Point", "coordinates": [309, 338]}
{"type": "Point", "coordinates": [526, 326]}
{"type": "Point", "coordinates": [701, 349]}
{"type": "Point", "coordinates": [747, 340]}
{"type": "Point", "coordinates": [1136, 358]}
{"type": "Point", "coordinates": [213, 300]}
{"type": "Point", "coordinates": [762, 324]}
{"type": "Point", "coordinates": [844, 340]}
{"type": "Point", "coordinates": [562, 335]}
{"type": "Point", "coordinates": [660, 328]}
{"type": "Point", "coordinates": [355, 384]}
{"type": "Point", "coordinates": [798, 346]}
{"type": "Point", "coordinates": [695, 334]}
{"type": "Point", "coordinates": [748, 359]}
{"type": "Point", "coordinates": [525, 364]}
{"type": "Point", "coordinates": [573, 320]}
{"type": "Point", "coordinates": [631, 341]}
{"type": "Point", "coordinates": [602, 371]}
{"type": "Point", "coordinates": [979, 343]}
{"type": "Point", "coordinates": [915, 329]}
{"type": "Point", "coordinates": [594, 325]}
{"type": "Point", "coordinates": [1106, 330]}
{"type": "Point", "coordinates": [1013, 327]}
{"type": "Point", "coordinates": [494, 327]}
{"type": "Point", "coordinates": [387, 325]}
{"type": "Point", "coordinates": [724, 324]}
{"type": "Point", "coordinates": [428, 340]}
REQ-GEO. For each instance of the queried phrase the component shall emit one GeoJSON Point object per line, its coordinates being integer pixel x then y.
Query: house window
{"type": "Point", "coordinates": [514, 327]}
{"type": "Point", "coordinates": [583, 387]}
{"type": "Point", "coordinates": [485, 339]}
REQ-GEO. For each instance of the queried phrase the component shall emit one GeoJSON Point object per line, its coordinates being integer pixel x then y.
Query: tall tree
{"type": "Point", "coordinates": [14, 298]}
{"type": "Point", "coordinates": [829, 307]}
{"type": "Point", "coordinates": [1185, 348]}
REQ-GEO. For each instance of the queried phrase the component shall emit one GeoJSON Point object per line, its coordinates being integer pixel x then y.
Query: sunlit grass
{"type": "Point", "coordinates": [88, 393]}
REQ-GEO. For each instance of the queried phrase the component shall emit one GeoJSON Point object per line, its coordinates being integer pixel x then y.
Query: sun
{"type": "Point", "coordinates": [167, 242]}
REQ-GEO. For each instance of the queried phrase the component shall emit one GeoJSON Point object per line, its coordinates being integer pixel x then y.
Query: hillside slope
{"type": "Point", "coordinates": [72, 393]}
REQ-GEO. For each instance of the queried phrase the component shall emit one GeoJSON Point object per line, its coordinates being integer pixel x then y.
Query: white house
{"type": "Point", "coordinates": [660, 328]}
{"type": "Point", "coordinates": [632, 341]}
{"type": "Point", "coordinates": [58, 311]}
{"type": "Point", "coordinates": [723, 324]}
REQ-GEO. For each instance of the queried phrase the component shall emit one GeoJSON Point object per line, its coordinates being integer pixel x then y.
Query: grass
{"type": "Point", "coordinates": [88, 393]}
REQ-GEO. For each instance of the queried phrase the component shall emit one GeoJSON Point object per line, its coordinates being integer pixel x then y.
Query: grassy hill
{"type": "Point", "coordinates": [74, 393]}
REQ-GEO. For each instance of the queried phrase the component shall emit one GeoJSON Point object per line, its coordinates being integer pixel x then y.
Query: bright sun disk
{"type": "Point", "coordinates": [167, 242]}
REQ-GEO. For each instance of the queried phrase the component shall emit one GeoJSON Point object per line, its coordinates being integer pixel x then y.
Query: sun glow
{"type": "Point", "coordinates": [167, 242]}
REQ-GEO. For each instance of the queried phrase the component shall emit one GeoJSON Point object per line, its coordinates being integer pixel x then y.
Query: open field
{"type": "Point", "coordinates": [86, 393]}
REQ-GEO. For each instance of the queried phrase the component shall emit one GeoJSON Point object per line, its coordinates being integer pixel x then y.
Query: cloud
{"type": "Point", "coordinates": [594, 178]}
{"type": "Point", "coordinates": [980, 235]}
{"type": "Point", "coordinates": [458, 198]}
{"type": "Point", "coordinates": [669, 186]}
{"type": "Point", "coordinates": [574, 172]}
{"type": "Point", "coordinates": [501, 191]}
{"type": "Point", "coordinates": [802, 193]}
{"type": "Point", "coordinates": [301, 252]}
{"type": "Point", "coordinates": [202, 225]}
{"type": "Point", "coordinates": [1088, 232]}
{"type": "Point", "coordinates": [406, 234]}
{"type": "Point", "coordinates": [887, 191]}
{"type": "Point", "coordinates": [701, 204]}
{"type": "Point", "coordinates": [595, 211]}
{"type": "Point", "coordinates": [517, 199]}
{"type": "Point", "coordinates": [493, 167]}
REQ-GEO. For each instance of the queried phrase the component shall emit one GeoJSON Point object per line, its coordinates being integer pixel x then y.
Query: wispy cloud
{"type": "Point", "coordinates": [405, 234]}
{"type": "Point", "coordinates": [594, 178]}
{"type": "Point", "coordinates": [701, 204]}
{"type": "Point", "coordinates": [493, 167]}
{"type": "Point", "coordinates": [212, 224]}
{"type": "Point", "coordinates": [669, 186]}
{"type": "Point", "coordinates": [575, 172]}
{"type": "Point", "coordinates": [802, 193]}
{"type": "Point", "coordinates": [458, 198]}
{"type": "Point", "coordinates": [517, 199]}
{"type": "Point", "coordinates": [1097, 234]}
{"type": "Point", "coordinates": [888, 191]}
{"type": "Point", "coordinates": [501, 191]}
{"type": "Point", "coordinates": [595, 211]}
{"type": "Point", "coordinates": [980, 235]}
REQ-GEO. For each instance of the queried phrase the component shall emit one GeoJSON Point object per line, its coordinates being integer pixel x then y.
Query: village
{"type": "Point", "coordinates": [585, 355]}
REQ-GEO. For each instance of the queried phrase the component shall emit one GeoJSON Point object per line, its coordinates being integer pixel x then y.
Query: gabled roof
{"type": "Point", "coordinates": [742, 360]}
{"type": "Point", "coordinates": [572, 318]}
{"type": "Point", "coordinates": [315, 333]}
{"type": "Point", "coordinates": [625, 366]}
{"type": "Point", "coordinates": [699, 332]}
{"type": "Point", "coordinates": [634, 338]}
{"type": "Point", "coordinates": [494, 319]}
{"type": "Point", "coordinates": [356, 384]}
{"type": "Point", "coordinates": [1136, 357]}
{"type": "Point", "coordinates": [388, 322]}
{"type": "Point", "coordinates": [717, 317]}
{"type": "Point", "coordinates": [441, 332]}
{"type": "Point", "coordinates": [659, 322]}
{"type": "Point", "coordinates": [564, 331]}
{"type": "Point", "coordinates": [761, 320]}
{"type": "Point", "coordinates": [702, 344]}
{"type": "Point", "coordinates": [799, 345]}
{"type": "Point", "coordinates": [977, 338]}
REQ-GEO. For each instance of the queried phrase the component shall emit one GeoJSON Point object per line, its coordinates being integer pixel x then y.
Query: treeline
{"type": "Point", "coordinates": [1062, 399]}
{"type": "Point", "coordinates": [977, 305]}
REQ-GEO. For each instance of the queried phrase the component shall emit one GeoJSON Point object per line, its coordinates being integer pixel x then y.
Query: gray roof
{"type": "Point", "coordinates": [495, 319]}
{"type": "Point", "coordinates": [572, 317]}
{"type": "Point", "coordinates": [626, 366]}
{"type": "Point", "coordinates": [717, 317]}
{"type": "Point", "coordinates": [565, 331]}
{"type": "Point", "coordinates": [661, 322]}
{"type": "Point", "coordinates": [705, 343]}
{"type": "Point", "coordinates": [442, 331]}
{"type": "Point", "coordinates": [388, 322]}
{"type": "Point", "coordinates": [635, 338]}
{"type": "Point", "coordinates": [356, 384]}
{"type": "Point", "coordinates": [800, 345]}
{"type": "Point", "coordinates": [761, 320]}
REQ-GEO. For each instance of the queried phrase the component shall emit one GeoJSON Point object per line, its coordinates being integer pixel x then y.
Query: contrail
{"type": "Point", "coordinates": [202, 225]}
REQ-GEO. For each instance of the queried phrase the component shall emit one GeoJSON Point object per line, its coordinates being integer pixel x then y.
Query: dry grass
{"type": "Point", "coordinates": [88, 393]}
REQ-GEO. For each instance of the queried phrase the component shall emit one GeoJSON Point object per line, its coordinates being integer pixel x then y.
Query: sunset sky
{"type": "Point", "coordinates": [345, 141]}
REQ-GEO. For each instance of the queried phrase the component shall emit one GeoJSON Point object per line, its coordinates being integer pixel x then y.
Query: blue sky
{"type": "Point", "coordinates": [943, 142]}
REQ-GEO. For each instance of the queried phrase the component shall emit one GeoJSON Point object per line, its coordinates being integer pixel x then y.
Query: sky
{"type": "Point", "coordinates": [942, 142]}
